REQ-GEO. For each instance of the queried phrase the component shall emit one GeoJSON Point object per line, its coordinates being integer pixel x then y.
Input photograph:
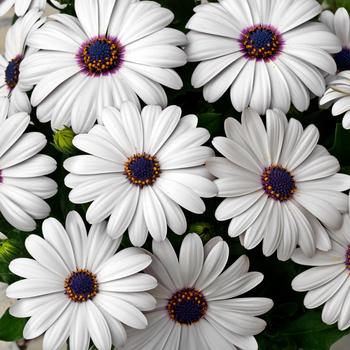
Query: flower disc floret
{"type": "Point", "coordinates": [81, 285]}
{"type": "Point", "coordinates": [102, 55]}
{"type": "Point", "coordinates": [142, 169]}
{"type": "Point", "coordinates": [261, 42]}
{"type": "Point", "coordinates": [278, 183]}
{"type": "Point", "coordinates": [12, 72]}
{"type": "Point", "coordinates": [347, 258]}
{"type": "Point", "coordinates": [187, 306]}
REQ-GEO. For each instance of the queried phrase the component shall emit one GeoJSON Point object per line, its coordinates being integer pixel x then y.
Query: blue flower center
{"type": "Point", "coordinates": [142, 169]}
{"type": "Point", "coordinates": [12, 72]}
{"type": "Point", "coordinates": [347, 258]}
{"type": "Point", "coordinates": [187, 306]}
{"type": "Point", "coordinates": [342, 59]}
{"type": "Point", "coordinates": [100, 50]}
{"type": "Point", "coordinates": [102, 55]}
{"type": "Point", "coordinates": [278, 183]}
{"type": "Point", "coordinates": [261, 42]}
{"type": "Point", "coordinates": [261, 38]}
{"type": "Point", "coordinates": [81, 285]}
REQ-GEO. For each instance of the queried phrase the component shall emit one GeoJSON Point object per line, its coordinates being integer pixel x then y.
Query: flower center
{"type": "Point", "coordinates": [187, 306]}
{"type": "Point", "coordinates": [81, 285]}
{"type": "Point", "coordinates": [142, 169]}
{"type": "Point", "coordinates": [347, 258]}
{"type": "Point", "coordinates": [12, 72]}
{"type": "Point", "coordinates": [342, 59]}
{"type": "Point", "coordinates": [102, 55]}
{"type": "Point", "coordinates": [261, 42]}
{"type": "Point", "coordinates": [278, 183]}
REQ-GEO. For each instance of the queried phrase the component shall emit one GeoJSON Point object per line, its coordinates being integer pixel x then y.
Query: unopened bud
{"type": "Point", "coordinates": [8, 250]}
{"type": "Point", "coordinates": [63, 140]}
{"type": "Point", "coordinates": [203, 229]}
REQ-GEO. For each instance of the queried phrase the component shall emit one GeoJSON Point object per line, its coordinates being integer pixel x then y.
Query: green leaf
{"type": "Point", "coordinates": [333, 5]}
{"type": "Point", "coordinates": [341, 145]}
{"type": "Point", "coordinates": [12, 248]}
{"type": "Point", "coordinates": [5, 227]}
{"type": "Point", "coordinates": [182, 9]}
{"type": "Point", "coordinates": [6, 275]}
{"type": "Point", "coordinates": [307, 332]}
{"type": "Point", "coordinates": [11, 328]}
{"type": "Point", "coordinates": [212, 121]}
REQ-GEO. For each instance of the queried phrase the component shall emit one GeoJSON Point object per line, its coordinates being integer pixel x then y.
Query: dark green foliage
{"type": "Point", "coordinates": [335, 4]}
{"type": "Point", "coordinates": [290, 325]}
{"type": "Point", "coordinates": [11, 328]}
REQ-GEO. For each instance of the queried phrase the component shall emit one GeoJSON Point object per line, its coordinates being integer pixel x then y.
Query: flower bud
{"type": "Point", "coordinates": [203, 229]}
{"type": "Point", "coordinates": [8, 250]}
{"type": "Point", "coordinates": [63, 140]}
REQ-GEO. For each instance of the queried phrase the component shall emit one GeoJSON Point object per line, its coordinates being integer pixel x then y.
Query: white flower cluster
{"type": "Point", "coordinates": [141, 164]}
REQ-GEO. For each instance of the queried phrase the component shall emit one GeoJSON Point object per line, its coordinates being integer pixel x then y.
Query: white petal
{"type": "Point", "coordinates": [55, 234]}
{"type": "Point", "coordinates": [320, 208]}
{"type": "Point", "coordinates": [213, 265]}
{"type": "Point", "coordinates": [316, 277]}
{"type": "Point", "coordinates": [125, 263]}
{"type": "Point", "coordinates": [261, 94]}
{"type": "Point", "coordinates": [182, 195]}
{"type": "Point", "coordinates": [45, 317]}
{"type": "Point", "coordinates": [56, 336]}
{"type": "Point", "coordinates": [242, 88]}
{"type": "Point", "coordinates": [320, 295]}
{"type": "Point", "coordinates": [76, 231]}
{"type": "Point", "coordinates": [166, 254]}
{"type": "Point", "coordinates": [46, 255]}
{"type": "Point", "coordinates": [121, 310]}
{"type": "Point", "coordinates": [79, 336]}
{"type": "Point", "coordinates": [153, 213]}
{"type": "Point", "coordinates": [237, 154]}
{"type": "Point", "coordinates": [98, 327]}
{"type": "Point", "coordinates": [191, 259]}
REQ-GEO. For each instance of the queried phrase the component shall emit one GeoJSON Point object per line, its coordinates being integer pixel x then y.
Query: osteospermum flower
{"type": "Point", "coordinates": [10, 64]}
{"type": "Point", "coordinates": [338, 87]}
{"type": "Point", "coordinates": [267, 52]}
{"type": "Point", "coordinates": [197, 304]}
{"type": "Point", "coordinates": [281, 186]}
{"type": "Point", "coordinates": [140, 169]}
{"type": "Point", "coordinates": [77, 287]}
{"type": "Point", "coordinates": [115, 51]}
{"type": "Point", "coordinates": [339, 24]}
{"type": "Point", "coordinates": [328, 282]}
{"type": "Point", "coordinates": [22, 6]}
{"type": "Point", "coordinates": [338, 96]}
{"type": "Point", "coordinates": [23, 186]}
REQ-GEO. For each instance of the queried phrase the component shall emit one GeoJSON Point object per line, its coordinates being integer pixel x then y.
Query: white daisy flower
{"type": "Point", "coordinates": [197, 304]}
{"type": "Point", "coordinates": [23, 186]}
{"type": "Point", "coordinates": [281, 186]}
{"type": "Point", "coordinates": [115, 51]}
{"type": "Point", "coordinates": [23, 6]}
{"type": "Point", "coordinates": [267, 51]}
{"type": "Point", "coordinates": [10, 64]}
{"type": "Point", "coordinates": [338, 87]}
{"type": "Point", "coordinates": [339, 24]}
{"type": "Point", "coordinates": [77, 287]}
{"type": "Point", "coordinates": [328, 282]}
{"type": "Point", "coordinates": [140, 169]}
{"type": "Point", "coordinates": [338, 95]}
